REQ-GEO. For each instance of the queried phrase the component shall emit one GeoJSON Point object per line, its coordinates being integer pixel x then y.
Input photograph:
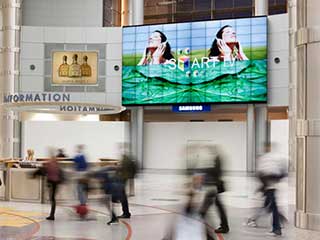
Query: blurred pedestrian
{"type": "Point", "coordinates": [54, 176]}
{"type": "Point", "coordinates": [81, 166]}
{"type": "Point", "coordinates": [271, 169]}
{"type": "Point", "coordinates": [114, 187]}
{"type": "Point", "coordinates": [214, 178]}
{"type": "Point", "coordinates": [190, 225]}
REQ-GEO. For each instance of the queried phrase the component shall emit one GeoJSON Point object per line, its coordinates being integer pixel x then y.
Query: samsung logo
{"type": "Point", "coordinates": [190, 108]}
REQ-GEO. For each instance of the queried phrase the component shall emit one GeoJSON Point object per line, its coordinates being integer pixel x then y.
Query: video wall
{"type": "Point", "coordinates": [222, 61]}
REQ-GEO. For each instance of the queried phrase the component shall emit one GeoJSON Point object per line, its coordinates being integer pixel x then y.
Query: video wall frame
{"type": "Point", "coordinates": [216, 61]}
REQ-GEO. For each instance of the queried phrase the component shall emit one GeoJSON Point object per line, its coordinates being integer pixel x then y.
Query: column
{"type": "Point", "coordinates": [262, 130]}
{"type": "Point", "coordinates": [251, 136]}
{"type": "Point", "coordinates": [307, 113]}
{"type": "Point", "coordinates": [257, 114]}
{"type": "Point", "coordinates": [125, 14]}
{"type": "Point", "coordinates": [292, 85]}
{"type": "Point", "coordinates": [261, 7]}
{"type": "Point", "coordinates": [9, 73]}
{"type": "Point", "coordinates": [138, 12]}
{"type": "Point", "coordinates": [137, 113]}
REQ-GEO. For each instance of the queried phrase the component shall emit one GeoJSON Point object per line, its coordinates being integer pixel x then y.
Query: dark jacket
{"type": "Point", "coordinates": [110, 183]}
{"type": "Point", "coordinates": [214, 175]}
{"type": "Point", "coordinates": [127, 169]}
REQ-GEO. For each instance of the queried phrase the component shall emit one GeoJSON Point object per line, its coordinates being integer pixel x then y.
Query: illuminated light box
{"type": "Point", "coordinates": [223, 61]}
{"type": "Point", "coordinates": [74, 68]}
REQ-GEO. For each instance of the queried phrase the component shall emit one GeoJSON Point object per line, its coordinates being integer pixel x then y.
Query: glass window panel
{"type": "Point", "coordinates": [243, 3]}
{"type": "Point", "coordinates": [184, 6]}
{"type": "Point", "coordinates": [277, 11]}
{"type": "Point", "coordinates": [205, 15]}
{"type": "Point", "coordinates": [272, 2]}
{"type": "Point", "coordinates": [182, 17]}
{"type": "Point", "coordinates": [220, 4]}
{"type": "Point", "coordinates": [243, 14]}
{"type": "Point", "coordinates": [202, 4]}
{"type": "Point", "coordinates": [282, 2]}
{"type": "Point", "coordinates": [223, 15]}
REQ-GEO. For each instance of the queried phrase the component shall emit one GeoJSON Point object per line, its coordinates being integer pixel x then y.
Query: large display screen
{"type": "Point", "coordinates": [221, 61]}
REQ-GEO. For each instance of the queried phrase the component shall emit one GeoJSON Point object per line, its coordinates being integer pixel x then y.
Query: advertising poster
{"type": "Point", "coordinates": [74, 68]}
{"type": "Point", "coordinates": [220, 61]}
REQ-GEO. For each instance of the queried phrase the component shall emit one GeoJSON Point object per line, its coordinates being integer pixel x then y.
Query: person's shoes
{"type": "Point", "coordinates": [275, 233]}
{"type": "Point", "coordinates": [127, 216]}
{"type": "Point", "coordinates": [252, 223]}
{"type": "Point", "coordinates": [222, 230]}
{"type": "Point", "coordinates": [113, 222]}
{"type": "Point", "coordinates": [50, 218]}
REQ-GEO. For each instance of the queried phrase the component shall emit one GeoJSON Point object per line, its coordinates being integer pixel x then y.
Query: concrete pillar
{"type": "Point", "coordinates": [125, 12]}
{"type": "Point", "coordinates": [307, 113]}
{"type": "Point", "coordinates": [261, 7]}
{"type": "Point", "coordinates": [292, 85]}
{"type": "Point", "coordinates": [140, 137]}
{"type": "Point", "coordinates": [9, 71]}
{"type": "Point", "coordinates": [138, 12]}
{"type": "Point", "coordinates": [262, 130]}
{"type": "Point", "coordinates": [257, 114]}
{"type": "Point", "coordinates": [251, 137]}
{"type": "Point", "coordinates": [137, 121]}
{"type": "Point", "coordinates": [130, 12]}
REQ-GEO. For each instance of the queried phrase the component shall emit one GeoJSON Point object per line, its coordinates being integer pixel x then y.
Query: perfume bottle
{"type": "Point", "coordinates": [64, 67]}
{"type": "Point", "coordinates": [75, 69]}
{"type": "Point", "coordinates": [85, 67]}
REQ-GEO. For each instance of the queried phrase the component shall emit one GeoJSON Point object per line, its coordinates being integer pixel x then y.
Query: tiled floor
{"type": "Point", "coordinates": [157, 205]}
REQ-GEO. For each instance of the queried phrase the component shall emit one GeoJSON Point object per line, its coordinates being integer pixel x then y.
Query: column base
{"type": "Point", "coordinates": [307, 220]}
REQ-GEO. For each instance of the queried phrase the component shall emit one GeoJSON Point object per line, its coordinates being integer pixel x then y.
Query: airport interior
{"type": "Point", "coordinates": [159, 120]}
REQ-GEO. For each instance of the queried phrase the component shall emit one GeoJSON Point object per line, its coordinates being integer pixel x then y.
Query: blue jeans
{"type": "Point", "coordinates": [82, 193]}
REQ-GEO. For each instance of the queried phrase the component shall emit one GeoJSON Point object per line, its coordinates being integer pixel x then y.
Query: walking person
{"type": "Point", "coordinates": [265, 209]}
{"type": "Point", "coordinates": [116, 188]}
{"type": "Point", "coordinates": [81, 166]}
{"type": "Point", "coordinates": [189, 224]}
{"type": "Point", "coordinates": [271, 170]}
{"type": "Point", "coordinates": [125, 173]}
{"type": "Point", "coordinates": [214, 178]}
{"type": "Point", "coordinates": [54, 176]}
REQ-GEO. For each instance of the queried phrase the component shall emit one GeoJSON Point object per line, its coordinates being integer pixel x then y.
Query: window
{"type": "Point", "coordinates": [277, 7]}
{"type": "Point", "coordinates": [111, 13]}
{"type": "Point", "coordinates": [164, 11]}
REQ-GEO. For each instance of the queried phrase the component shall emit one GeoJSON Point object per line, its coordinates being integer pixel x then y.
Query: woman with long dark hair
{"type": "Point", "coordinates": [158, 50]}
{"type": "Point", "coordinates": [226, 47]}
